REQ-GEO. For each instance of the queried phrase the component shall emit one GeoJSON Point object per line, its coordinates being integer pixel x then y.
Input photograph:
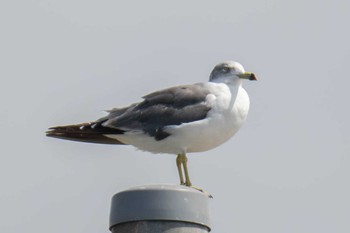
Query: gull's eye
{"type": "Point", "coordinates": [225, 70]}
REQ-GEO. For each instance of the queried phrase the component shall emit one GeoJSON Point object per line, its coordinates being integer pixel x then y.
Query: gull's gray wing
{"type": "Point", "coordinates": [172, 106]}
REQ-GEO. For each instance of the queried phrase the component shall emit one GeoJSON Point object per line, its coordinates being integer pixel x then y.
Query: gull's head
{"type": "Point", "coordinates": [230, 72]}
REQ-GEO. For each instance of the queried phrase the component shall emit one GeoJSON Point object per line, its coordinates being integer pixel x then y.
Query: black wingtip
{"type": "Point", "coordinates": [84, 133]}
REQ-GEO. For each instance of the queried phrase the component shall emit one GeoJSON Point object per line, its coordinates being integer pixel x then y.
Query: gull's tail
{"type": "Point", "coordinates": [93, 132]}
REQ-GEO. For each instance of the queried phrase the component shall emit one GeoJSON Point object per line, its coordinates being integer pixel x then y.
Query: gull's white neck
{"type": "Point", "coordinates": [234, 84]}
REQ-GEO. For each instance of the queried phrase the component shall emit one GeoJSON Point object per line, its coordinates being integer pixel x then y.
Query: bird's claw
{"type": "Point", "coordinates": [202, 191]}
{"type": "Point", "coordinates": [198, 189]}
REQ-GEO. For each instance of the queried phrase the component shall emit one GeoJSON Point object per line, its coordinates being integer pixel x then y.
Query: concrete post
{"type": "Point", "coordinates": [160, 209]}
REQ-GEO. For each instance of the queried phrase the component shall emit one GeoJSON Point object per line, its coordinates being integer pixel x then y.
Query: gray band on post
{"type": "Point", "coordinates": [160, 208]}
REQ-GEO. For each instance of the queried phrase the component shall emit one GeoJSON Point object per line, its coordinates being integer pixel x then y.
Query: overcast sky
{"type": "Point", "coordinates": [287, 170]}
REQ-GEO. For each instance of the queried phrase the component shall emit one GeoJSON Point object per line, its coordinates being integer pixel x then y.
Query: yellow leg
{"type": "Point", "coordinates": [179, 169]}
{"type": "Point", "coordinates": [181, 162]}
{"type": "Point", "coordinates": [187, 176]}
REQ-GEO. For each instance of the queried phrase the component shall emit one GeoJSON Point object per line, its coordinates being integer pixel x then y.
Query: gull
{"type": "Point", "coordinates": [177, 120]}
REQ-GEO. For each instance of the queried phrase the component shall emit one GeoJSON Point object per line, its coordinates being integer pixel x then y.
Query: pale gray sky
{"type": "Point", "coordinates": [62, 62]}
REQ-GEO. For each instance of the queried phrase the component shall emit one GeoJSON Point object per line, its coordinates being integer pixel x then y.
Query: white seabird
{"type": "Point", "coordinates": [176, 120]}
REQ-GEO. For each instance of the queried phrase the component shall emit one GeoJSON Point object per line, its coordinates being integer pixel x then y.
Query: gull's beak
{"type": "Point", "coordinates": [247, 75]}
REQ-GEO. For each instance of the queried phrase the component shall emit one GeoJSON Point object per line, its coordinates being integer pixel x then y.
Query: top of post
{"type": "Point", "coordinates": [160, 202]}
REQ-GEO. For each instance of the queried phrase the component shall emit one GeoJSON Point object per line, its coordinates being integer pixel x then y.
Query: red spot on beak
{"type": "Point", "coordinates": [252, 77]}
